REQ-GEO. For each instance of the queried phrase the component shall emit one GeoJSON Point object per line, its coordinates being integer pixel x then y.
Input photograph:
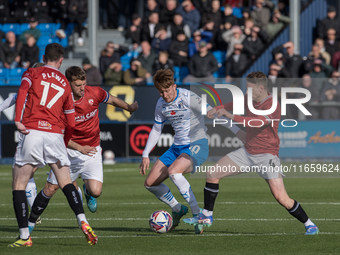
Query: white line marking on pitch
{"type": "Point", "coordinates": [181, 236]}
{"type": "Point", "coordinates": [227, 203]}
{"type": "Point", "coordinates": [146, 219]}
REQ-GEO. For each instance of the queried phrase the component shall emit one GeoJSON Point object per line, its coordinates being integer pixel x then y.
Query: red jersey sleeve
{"type": "Point", "coordinates": [26, 83]}
{"type": "Point", "coordinates": [101, 95]}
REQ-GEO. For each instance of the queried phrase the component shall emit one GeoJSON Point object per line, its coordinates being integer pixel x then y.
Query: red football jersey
{"type": "Point", "coordinates": [260, 140]}
{"type": "Point", "coordinates": [44, 97]}
{"type": "Point", "coordinates": [87, 130]}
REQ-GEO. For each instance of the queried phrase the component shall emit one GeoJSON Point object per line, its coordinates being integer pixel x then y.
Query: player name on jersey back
{"type": "Point", "coordinates": [55, 76]}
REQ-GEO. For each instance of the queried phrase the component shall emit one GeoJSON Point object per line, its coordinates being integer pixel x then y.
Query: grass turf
{"type": "Point", "coordinates": [247, 219]}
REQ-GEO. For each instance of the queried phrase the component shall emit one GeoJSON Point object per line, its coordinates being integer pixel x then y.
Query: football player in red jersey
{"type": "Point", "coordinates": [84, 149]}
{"type": "Point", "coordinates": [44, 97]}
{"type": "Point", "coordinates": [260, 153]}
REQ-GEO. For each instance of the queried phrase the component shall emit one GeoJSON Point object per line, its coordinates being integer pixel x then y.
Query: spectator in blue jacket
{"type": "Point", "coordinates": [198, 37]}
{"type": "Point", "coordinates": [161, 41]}
{"type": "Point", "coordinates": [191, 15]}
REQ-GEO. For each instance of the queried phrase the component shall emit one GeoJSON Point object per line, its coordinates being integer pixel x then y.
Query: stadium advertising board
{"type": "Point", "coordinates": [310, 139]}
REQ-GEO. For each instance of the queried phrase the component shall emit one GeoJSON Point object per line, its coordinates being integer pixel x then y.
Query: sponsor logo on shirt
{"type": "Point", "coordinates": [173, 113]}
{"type": "Point", "coordinates": [44, 124]}
{"type": "Point", "coordinates": [87, 116]}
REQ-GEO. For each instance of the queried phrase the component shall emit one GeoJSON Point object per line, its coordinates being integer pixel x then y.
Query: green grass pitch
{"type": "Point", "coordinates": [247, 219]}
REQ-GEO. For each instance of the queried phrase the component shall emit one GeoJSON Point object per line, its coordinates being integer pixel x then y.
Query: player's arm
{"type": "Point", "coordinates": [25, 85]}
{"type": "Point", "coordinates": [115, 101]}
{"type": "Point", "coordinates": [195, 104]}
{"type": "Point", "coordinates": [152, 140]}
{"type": "Point", "coordinates": [9, 101]}
{"type": "Point", "coordinates": [70, 118]}
{"type": "Point", "coordinates": [86, 149]}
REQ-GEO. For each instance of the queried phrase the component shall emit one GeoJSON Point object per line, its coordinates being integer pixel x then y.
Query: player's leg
{"type": "Point", "coordinates": [183, 165]}
{"type": "Point", "coordinates": [41, 202]}
{"type": "Point", "coordinates": [154, 184]}
{"type": "Point", "coordinates": [31, 192]}
{"type": "Point", "coordinates": [293, 207]}
{"type": "Point", "coordinates": [21, 176]}
{"type": "Point", "coordinates": [55, 151]}
{"type": "Point", "coordinates": [91, 171]}
{"type": "Point", "coordinates": [229, 165]}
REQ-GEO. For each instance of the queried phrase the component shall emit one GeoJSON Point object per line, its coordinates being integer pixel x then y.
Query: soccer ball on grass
{"type": "Point", "coordinates": [160, 222]}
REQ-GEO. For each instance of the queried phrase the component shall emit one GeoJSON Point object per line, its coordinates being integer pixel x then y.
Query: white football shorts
{"type": "Point", "coordinates": [40, 148]}
{"type": "Point", "coordinates": [266, 165]}
{"type": "Point", "coordinates": [88, 167]}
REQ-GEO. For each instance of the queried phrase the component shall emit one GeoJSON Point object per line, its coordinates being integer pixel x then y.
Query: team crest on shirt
{"type": "Point", "coordinates": [91, 101]}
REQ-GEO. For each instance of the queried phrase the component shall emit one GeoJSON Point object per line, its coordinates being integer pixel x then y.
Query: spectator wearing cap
{"type": "Point", "coordinates": [93, 76]}
{"type": "Point", "coordinates": [114, 74]}
{"type": "Point", "coordinates": [111, 54]}
{"type": "Point", "coordinates": [136, 75]}
{"type": "Point", "coordinates": [147, 57]}
{"type": "Point", "coordinates": [320, 70]}
{"type": "Point", "coordinates": [29, 53]}
{"type": "Point", "coordinates": [190, 14]}
{"type": "Point", "coordinates": [166, 15]}
{"type": "Point", "coordinates": [163, 62]}
{"type": "Point", "coordinates": [161, 41]}
{"type": "Point", "coordinates": [178, 50]}
{"type": "Point", "coordinates": [178, 25]}
{"type": "Point", "coordinates": [329, 22]}
{"type": "Point", "coordinates": [10, 51]}
{"type": "Point", "coordinates": [332, 44]}
{"type": "Point", "coordinates": [292, 62]}
{"type": "Point", "coordinates": [214, 13]}
{"type": "Point", "coordinates": [33, 31]}
{"type": "Point", "coordinates": [277, 22]}
{"type": "Point", "coordinates": [198, 36]}
{"type": "Point", "coordinates": [134, 32]}
{"type": "Point", "coordinates": [150, 29]}
{"type": "Point", "coordinates": [202, 65]}
{"type": "Point", "coordinates": [330, 92]}
{"type": "Point", "coordinates": [261, 13]}
{"type": "Point", "coordinates": [236, 63]}
{"type": "Point", "coordinates": [232, 37]}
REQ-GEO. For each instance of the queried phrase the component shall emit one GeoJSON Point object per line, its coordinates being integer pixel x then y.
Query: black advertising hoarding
{"type": "Point", "coordinates": [221, 140]}
{"type": "Point", "coordinates": [139, 134]}
{"type": "Point", "coordinates": [9, 140]}
{"type": "Point", "coordinates": [112, 137]}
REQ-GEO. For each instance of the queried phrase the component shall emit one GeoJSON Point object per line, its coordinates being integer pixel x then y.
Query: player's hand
{"type": "Point", "coordinates": [21, 128]}
{"type": "Point", "coordinates": [241, 135]}
{"type": "Point", "coordinates": [211, 113]}
{"type": "Point", "coordinates": [88, 150]}
{"type": "Point", "coordinates": [133, 107]}
{"type": "Point", "coordinates": [144, 165]}
{"type": "Point", "coordinates": [223, 112]}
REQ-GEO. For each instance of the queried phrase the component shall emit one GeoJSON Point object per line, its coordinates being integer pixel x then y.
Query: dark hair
{"type": "Point", "coordinates": [258, 78]}
{"type": "Point", "coordinates": [38, 64]}
{"type": "Point", "coordinates": [75, 73]}
{"type": "Point", "coordinates": [163, 79]}
{"type": "Point", "coordinates": [53, 52]}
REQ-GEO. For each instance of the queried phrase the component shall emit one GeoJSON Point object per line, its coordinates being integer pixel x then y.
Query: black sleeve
{"type": "Point", "coordinates": [123, 50]}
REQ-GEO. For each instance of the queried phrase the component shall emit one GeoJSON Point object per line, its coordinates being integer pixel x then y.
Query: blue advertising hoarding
{"type": "Point", "coordinates": [310, 139]}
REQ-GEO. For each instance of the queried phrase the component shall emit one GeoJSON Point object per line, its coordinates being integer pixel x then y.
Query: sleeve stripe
{"type": "Point", "coordinates": [106, 98]}
{"type": "Point", "coordinates": [159, 122]}
{"type": "Point", "coordinates": [26, 79]}
{"type": "Point", "coordinates": [69, 111]}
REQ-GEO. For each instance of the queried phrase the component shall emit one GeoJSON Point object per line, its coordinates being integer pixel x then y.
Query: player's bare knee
{"type": "Point", "coordinates": [148, 184]}
{"type": "Point", "coordinates": [96, 192]}
{"type": "Point", "coordinates": [50, 189]}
